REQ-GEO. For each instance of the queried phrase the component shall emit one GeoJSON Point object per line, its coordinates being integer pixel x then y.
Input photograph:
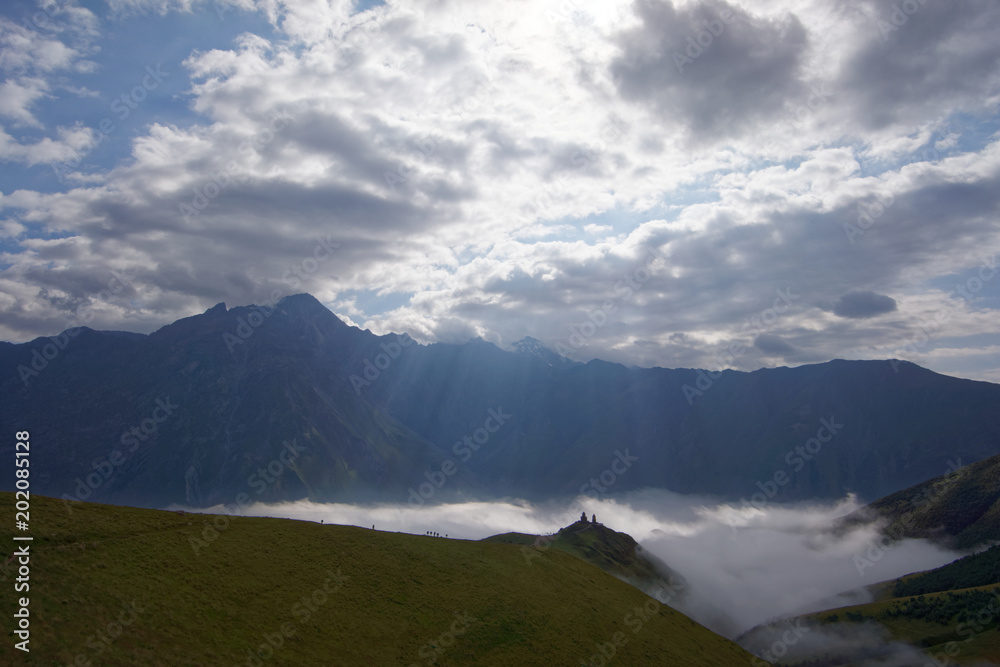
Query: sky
{"type": "Point", "coordinates": [678, 184]}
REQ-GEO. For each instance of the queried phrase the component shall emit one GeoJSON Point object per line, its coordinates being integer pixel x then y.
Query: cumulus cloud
{"type": "Point", "coordinates": [714, 69]}
{"type": "Point", "coordinates": [506, 170]}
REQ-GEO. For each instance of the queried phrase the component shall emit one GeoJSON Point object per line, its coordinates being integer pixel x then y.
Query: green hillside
{"type": "Point", "coordinates": [957, 627]}
{"type": "Point", "coordinates": [124, 586]}
{"type": "Point", "coordinates": [959, 624]}
{"type": "Point", "coordinates": [616, 553]}
{"type": "Point", "coordinates": [980, 569]}
{"type": "Point", "coordinates": [961, 508]}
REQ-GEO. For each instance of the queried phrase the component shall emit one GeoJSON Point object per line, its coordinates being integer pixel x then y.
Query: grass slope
{"type": "Point", "coordinates": [324, 595]}
{"type": "Point", "coordinates": [960, 624]}
{"type": "Point", "coordinates": [979, 569]}
{"type": "Point", "coordinates": [961, 509]}
{"type": "Point", "coordinates": [956, 626]}
{"type": "Point", "coordinates": [616, 553]}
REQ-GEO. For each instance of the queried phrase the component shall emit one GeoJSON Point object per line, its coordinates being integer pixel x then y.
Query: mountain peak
{"type": "Point", "coordinates": [616, 553]}
{"type": "Point", "coordinates": [307, 304]}
{"type": "Point", "coordinates": [534, 348]}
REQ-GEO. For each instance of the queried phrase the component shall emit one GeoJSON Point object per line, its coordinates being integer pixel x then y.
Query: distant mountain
{"type": "Point", "coordinates": [286, 401]}
{"type": "Point", "coordinates": [214, 409]}
{"type": "Point", "coordinates": [960, 508]}
{"type": "Point", "coordinates": [533, 347]}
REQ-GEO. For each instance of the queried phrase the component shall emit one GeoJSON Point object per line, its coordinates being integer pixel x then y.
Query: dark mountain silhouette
{"type": "Point", "coordinates": [285, 402]}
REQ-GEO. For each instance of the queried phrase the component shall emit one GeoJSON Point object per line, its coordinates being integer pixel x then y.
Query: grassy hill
{"type": "Point", "coordinates": [980, 569]}
{"type": "Point", "coordinates": [616, 553]}
{"type": "Point", "coordinates": [125, 586]}
{"type": "Point", "coordinates": [950, 612]}
{"type": "Point", "coordinates": [955, 627]}
{"type": "Point", "coordinates": [961, 508]}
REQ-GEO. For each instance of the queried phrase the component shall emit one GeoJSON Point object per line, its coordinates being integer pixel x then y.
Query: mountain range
{"type": "Point", "coordinates": [282, 402]}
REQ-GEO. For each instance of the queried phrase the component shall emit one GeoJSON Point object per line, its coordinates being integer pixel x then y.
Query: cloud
{"type": "Point", "coordinates": [712, 68]}
{"type": "Point", "coordinates": [56, 40]}
{"type": "Point", "coordinates": [504, 170]}
{"type": "Point", "coordinates": [860, 644]}
{"type": "Point", "coordinates": [859, 305]}
{"type": "Point", "coordinates": [773, 345]}
{"type": "Point", "coordinates": [72, 142]}
{"type": "Point", "coordinates": [930, 61]}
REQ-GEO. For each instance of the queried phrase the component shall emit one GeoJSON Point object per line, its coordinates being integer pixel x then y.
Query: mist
{"type": "Point", "coordinates": [743, 566]}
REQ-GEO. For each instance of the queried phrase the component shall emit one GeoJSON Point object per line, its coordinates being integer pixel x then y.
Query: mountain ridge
{"type": "Point", "coordinates": [380, 417]}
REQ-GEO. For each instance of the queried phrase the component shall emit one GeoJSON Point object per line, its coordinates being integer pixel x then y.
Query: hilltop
{"type": "Point", "coordinates": [616, 553]}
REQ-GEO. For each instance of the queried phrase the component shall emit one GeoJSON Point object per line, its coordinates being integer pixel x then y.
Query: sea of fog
{"type": "Point", "coordinates": [756, 564]}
